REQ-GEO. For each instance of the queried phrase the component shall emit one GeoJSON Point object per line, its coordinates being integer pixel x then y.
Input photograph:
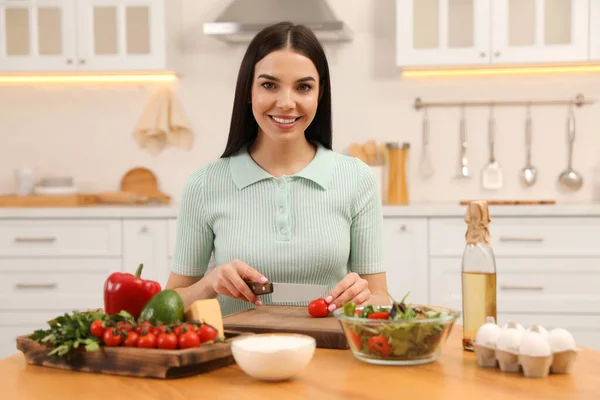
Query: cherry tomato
{"type": "Point", "coordinates": [318, 308]}
{"type": "Point", "coordinates": [356, 339]}
{"type": "Point", "coordinates": [179, 329]}
{"type": "Point", "coordinates": [379, 345]}
{"type": "Point", "coordinates": [97, 329]}
{"type": "Point", "coordinates": [206, 333]}
{"type": "Point", "coordinates": [124, 326]}
{"type": "Point", "coordinates": [188, 340]}
{"type": "Point", "coordinates": [147, 341]}
{"type": "Point", "coordinates": [131, 339]}
{"type": "Point", "coordinates": [145, 324]}
{"type": "Point", "coordinates": [167, 341]}
{"type": "Point", "coordinates": [112, 337]}
{"type": "Point", "coordinates": [379, 315]}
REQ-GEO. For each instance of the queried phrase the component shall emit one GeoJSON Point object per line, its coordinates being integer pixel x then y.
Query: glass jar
{"type": "Point", "coordinates": [397, 187]}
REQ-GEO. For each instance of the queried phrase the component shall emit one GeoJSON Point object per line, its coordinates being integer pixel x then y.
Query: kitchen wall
{"type": "Point", "coordinates": [86, 131]}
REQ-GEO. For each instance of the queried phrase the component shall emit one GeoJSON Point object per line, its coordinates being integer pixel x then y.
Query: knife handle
{"type": "Point", "coordinates": [260, 288]}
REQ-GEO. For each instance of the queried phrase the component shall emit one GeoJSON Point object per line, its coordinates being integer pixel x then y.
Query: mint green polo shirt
{"type": "Point", "coordinates": [312, 227]}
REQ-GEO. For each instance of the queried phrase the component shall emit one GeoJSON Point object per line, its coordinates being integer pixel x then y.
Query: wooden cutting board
{"type": "Point", "coordinates": [133, 361]}
{"type": "Point", "coordinates": [515, 202]}
{"type": "Point", "coordinates": [289, 319]}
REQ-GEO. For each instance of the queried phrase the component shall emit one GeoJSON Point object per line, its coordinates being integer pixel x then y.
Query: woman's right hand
{"type": "Point", "coordinates": [230, 280]}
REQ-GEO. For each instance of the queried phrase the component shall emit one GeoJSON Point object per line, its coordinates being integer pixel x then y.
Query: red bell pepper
{"type": "Point", "coordinates": [124, 291]}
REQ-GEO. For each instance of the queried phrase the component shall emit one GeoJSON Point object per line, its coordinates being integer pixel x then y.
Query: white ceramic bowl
{"type": "Point", "coordinates": [273, 357]}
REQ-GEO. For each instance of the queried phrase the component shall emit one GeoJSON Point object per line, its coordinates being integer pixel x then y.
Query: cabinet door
{"type": "Point", "coordinates": [540, 31]}
{"type": "Point", "coordinates": [442, 32]}
{"type": "Point", "coordinates": [145, 242]}
{"type": "Point", "coordinates": [594, 30]}
{"type": "Point", "coordinates": [406, 258]}
{"type": "Point", "coordinates": [120, 35]}
{"type": "Point", "coordinates": [37, 35]}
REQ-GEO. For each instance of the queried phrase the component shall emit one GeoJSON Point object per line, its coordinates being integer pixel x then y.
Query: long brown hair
{"type": "Point", "coordinates": [244, 128]}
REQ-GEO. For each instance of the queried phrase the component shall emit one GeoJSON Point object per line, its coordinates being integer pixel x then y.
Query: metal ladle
{"type": "Point", "coordinates": [528, 174]}
{"type": "Point", "coordinates": [570, 179]}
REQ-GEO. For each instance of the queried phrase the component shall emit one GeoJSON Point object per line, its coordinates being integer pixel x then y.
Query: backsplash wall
{"type": "Point", "coordinates": [86, 131]}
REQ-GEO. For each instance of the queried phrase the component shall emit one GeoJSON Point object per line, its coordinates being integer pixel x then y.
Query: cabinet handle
{"type": "Point", "coordinates": [144, 229]}
{"type": "Point", "coordinates": [36, 285]}
{"type": "Point", "coordinates": [483, 54]}
{"type": "Point", "coordinates": [35, 239]}
{"type": "Point", "coordinates": [69, 61]}
{"type": "Point", "coordinates": [521, 239]}
{"type": "Point", "coordinates": [497, 54]}
{"type": "Point", "coordinates": [82, 61]}
{"type": "Point", "coordinates": [521, 287]}
{"type": "Point", "coordinates": [403, 228]}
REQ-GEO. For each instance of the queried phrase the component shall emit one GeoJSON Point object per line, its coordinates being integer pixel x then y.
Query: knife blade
{"type": "Point", "coordinates": [288, 292]}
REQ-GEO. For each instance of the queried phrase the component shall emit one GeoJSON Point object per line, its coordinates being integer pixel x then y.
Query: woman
{"type": "Point", "coordinates": [279, 205]}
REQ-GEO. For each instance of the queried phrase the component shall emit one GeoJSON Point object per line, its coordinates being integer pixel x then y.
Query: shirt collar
{"type": "Point", "coordinates": [246, 172]}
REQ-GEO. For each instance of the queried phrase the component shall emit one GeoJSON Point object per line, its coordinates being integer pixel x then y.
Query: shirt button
{"type": "Point", "coordinates": [283, 231]}
{"type": "Point", "coordinates": [281, 210]}
{"type": "Point", "coordinates": [281, 184]}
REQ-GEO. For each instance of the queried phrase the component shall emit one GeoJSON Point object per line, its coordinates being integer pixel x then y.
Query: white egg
{"type": "Point", "coordinates": [509, 338]}
{"type": "Point", "coordinates": [561, 340]}
{"type": "Point", "coordinates": [533, 343]}
{"type": "Point", "coordinates": [517, 325]}
{"type": "Point", "coordinates": [541, 330]}
{"type": "Point", "coordinates": [487, 334]}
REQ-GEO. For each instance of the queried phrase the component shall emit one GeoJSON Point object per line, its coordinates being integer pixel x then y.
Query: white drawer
{"type": "Point", "coordinates": [65, 284]}
{"type": "Point", "coordinates": [521, 236]}
{"type": "Point", "coordinates": [60, 237]}
{"type": "Point", "coordinates": [532, 285]}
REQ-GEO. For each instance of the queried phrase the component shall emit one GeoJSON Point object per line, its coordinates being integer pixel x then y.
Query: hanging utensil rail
{"type": "Point", "coordinates": [578, 101]}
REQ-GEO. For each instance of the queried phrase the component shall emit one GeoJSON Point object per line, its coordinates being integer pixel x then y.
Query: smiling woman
{"type": "Point", "coordinates": [280, 205]}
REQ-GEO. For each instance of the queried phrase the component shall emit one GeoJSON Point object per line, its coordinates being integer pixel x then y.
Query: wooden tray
{"type": "Point", "coordinates": [289, 319]}
{"type": "Point", "coordinates": [515, 202]}
{"type": "Point", "coordinates": [131, 361]}
{"type": "Point", "coordinates": [75, 200]}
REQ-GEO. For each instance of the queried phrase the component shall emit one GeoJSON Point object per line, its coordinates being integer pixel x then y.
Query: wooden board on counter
{"type": "Point", "coordinates": [514, 202]}
{"type": "Point", "coordinates": [289, 319]}
{"type": "Point", "coordinates": [74, 200]}
{"type": "Point", "coordinates": [138, 362]}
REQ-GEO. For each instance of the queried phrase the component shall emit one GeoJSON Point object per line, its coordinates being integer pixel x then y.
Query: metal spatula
{"type": "Point", "coordinates": [491, 176]}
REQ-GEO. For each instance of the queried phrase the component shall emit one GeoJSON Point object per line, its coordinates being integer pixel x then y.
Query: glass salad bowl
{"type": "Point", "coordinates": [400, 334]}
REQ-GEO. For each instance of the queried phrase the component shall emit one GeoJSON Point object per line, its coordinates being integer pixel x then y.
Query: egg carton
{"type": "Point", "coordinates": [533, 351]}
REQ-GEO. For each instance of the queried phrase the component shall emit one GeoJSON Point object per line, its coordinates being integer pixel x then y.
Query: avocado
{"type": "Point", "coordinates": [165, 307]}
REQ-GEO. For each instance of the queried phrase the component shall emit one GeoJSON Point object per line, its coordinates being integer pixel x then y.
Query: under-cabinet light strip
{"type": "Point", "coordinates": [19, 79]}
{"type": "Point", "coordinates": [423, 73]}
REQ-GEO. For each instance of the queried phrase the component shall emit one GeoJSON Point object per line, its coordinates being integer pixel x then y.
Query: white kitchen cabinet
{"type": "Point", "coordinates": [405, 258]}
{"type": "Point", "coordinates": [539, 31]}
{"type": "Point", "coordinates": [594, 30]}
{"type": "Point", "coordinates": [442, 32]}
{"type": "Point", "coordinates": [485, 32]}
{"type": "Point", "coordinates": [90, 35]}
{"type": "Point", "coordinates": [37, 35]}
{"type": "Point", "coordinates": [145, 242]}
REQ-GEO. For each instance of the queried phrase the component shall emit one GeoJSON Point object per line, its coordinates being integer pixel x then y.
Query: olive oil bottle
{"type": "Point", "coordinates": [478, 273]}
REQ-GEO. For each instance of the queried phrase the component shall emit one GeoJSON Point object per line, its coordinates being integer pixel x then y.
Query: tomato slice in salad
{"type": "Point", "coordinates": [379, 345]}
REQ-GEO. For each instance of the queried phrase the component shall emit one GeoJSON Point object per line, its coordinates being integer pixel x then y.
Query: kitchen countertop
{"type": "Point", "coordinates": [332, 374]}
{"type": "Point", "coordinates": [411, 211]}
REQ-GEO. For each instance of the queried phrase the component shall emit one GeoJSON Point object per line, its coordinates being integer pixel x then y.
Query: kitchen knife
{"type": "Point", "coordinates": [288, 292]}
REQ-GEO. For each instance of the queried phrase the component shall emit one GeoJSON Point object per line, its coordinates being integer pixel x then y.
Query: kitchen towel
{"type": "Point", "coordinates": [163, 123]}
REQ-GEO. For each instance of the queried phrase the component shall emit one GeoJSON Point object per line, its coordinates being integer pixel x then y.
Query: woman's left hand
{"type": "Point", "coordinates": [352, 288]}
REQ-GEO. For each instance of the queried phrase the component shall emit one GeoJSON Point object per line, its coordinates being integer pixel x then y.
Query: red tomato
{"type": "Point", "coordinates": [145, 324]}
{"type": "Point", "coordinates": [131, 339]}
{"type": "Point", "coordinates": [112, 337]}
{"type": "Point", "coordinates": [179, 329]}
{"type": "Point", "coordinates": [188, 340]}
{"type": "Point", "coordinates": [147, 341]}
{"type": "Point", "coordinates": [318, 308]}
{"type": "Point", "coordinates": [206, 333]}
{"type": "Point", "coordinates": [379, 345]}
{"type": "Point", "coordinates": [379, 315]}
{"type": "Point", "coordinates": [356, 339]}
{"type": "Point", "coordinates": [124, 326]}
{"type": "Point", "coordinates": [97, 329]}
{"type": "Point", "coordinates": [167, 341]}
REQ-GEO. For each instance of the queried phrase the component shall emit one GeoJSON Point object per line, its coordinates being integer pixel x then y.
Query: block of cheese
{"type": "Point", "coordinates": [207, 311]}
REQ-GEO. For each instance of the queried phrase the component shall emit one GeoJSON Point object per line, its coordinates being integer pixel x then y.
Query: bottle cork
{"type": "Point", "coordinates": [478, 220]}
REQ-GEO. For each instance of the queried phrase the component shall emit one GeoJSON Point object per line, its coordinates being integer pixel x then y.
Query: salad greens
{"type": "Point", "coordinates": [397, 332]}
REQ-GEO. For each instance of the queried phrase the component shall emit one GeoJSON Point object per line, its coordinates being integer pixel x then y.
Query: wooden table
{"type": "Point", "coordinates": [332, 374]}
